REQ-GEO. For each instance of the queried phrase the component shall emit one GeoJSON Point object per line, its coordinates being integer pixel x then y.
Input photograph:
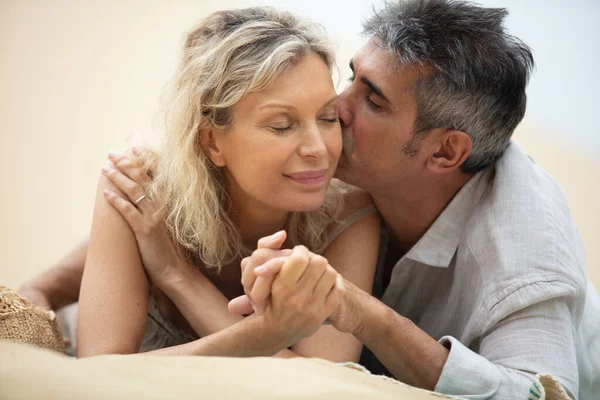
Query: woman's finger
{"type": "Point", "coordinates": [132, 215]}
{"type": "Point", "coordinates": [131, 189]}
{"type": "Point", "coordinates": [260, 293]}
{"type": "Point", "coordinates": [270, 268]}
{"type": "Point", "coordinates": [259, 257]}
{"type": "Point", "coordinates": [275, 241]}
{"type": "Point", "coordinates": [240, 306]}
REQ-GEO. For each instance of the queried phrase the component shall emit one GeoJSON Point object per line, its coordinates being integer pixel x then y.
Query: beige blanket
{"type": "Point", "coordinates": [28, 372]}
{"type": "Point", "coordinates": [32, 373]}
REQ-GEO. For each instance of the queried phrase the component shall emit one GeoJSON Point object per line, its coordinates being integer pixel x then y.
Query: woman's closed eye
{"type": "Point", "coordinates": [331, 119]}
{"type": "Point", "coordinates": [281, 129]}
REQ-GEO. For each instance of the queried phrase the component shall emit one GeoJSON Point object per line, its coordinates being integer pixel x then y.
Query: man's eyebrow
{"type": "Point", "coordinates": [374, 88]}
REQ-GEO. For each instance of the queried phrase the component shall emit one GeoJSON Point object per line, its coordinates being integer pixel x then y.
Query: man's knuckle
{"type": "Point", "coordinates": [319, 260]}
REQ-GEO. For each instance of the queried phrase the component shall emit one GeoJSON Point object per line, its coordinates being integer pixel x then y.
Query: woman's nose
{"type": "Point", "coordinates": [313, 144]}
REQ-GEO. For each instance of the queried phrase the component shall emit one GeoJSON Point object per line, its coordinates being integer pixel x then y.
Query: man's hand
{"type": "Point", "coordinates": [304, 293]}
{"type": "Point", "coordinates": [349, 315]}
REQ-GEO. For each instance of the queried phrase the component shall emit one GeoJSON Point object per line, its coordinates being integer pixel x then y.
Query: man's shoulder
{"type": "Point", "coordinates": [522, 227]}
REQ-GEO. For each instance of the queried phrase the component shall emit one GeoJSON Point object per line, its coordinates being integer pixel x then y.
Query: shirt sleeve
{"type": "Point", "coordinates": [502, 363]}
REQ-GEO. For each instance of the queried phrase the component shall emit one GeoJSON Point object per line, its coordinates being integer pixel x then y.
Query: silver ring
{"type": "Point", "coordinates": [142, 197]}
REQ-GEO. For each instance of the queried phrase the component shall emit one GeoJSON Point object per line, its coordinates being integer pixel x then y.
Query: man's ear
{"type": "Point", "coordinates": [452, 149]}
{"type": "Point", "coordinates": [212, 145]}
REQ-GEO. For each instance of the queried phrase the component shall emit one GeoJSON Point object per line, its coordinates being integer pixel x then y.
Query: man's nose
{"type": "Point", "coordinates": [345, 106]}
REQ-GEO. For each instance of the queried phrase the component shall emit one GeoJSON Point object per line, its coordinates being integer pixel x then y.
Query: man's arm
{"type": "Point", "coordinates": [410, 354]}
{"type": "Point", "coordinates": [59, 285]}
{"type": "Point", "coordinates": [536, 339]}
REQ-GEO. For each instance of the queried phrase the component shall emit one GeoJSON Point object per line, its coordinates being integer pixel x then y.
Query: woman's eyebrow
{"type": "Point", "coordinates": [278, 105]}
{"type": "Point", "coordinates": [328, 102]}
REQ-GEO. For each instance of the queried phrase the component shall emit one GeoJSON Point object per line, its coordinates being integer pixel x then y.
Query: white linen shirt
{"type": "Point", "coordinates": [500, 280]}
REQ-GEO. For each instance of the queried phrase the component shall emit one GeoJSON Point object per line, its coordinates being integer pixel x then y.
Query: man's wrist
{"type": "Point", "coordinates": [374, 319]}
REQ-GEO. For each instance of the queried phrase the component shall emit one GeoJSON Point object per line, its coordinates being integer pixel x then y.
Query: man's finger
{"type": "Point", "coordinates": [294, 266]}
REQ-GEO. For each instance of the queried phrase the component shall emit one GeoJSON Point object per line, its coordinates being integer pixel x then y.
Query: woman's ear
{"type": "Point", "coordinates": [452, 149]}
{"type": "Point", "coordinates": [212, 146]}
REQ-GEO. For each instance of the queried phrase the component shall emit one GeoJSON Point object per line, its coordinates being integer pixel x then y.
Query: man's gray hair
{"type": "Point", "coordinates": [480, 70]}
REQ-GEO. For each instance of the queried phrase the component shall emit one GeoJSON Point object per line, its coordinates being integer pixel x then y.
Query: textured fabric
{"type": "Point", "coordinates": [160, 332]}
{"type": "Point", "coordinates": [346, 223]}
{"type": "Point", "coordinates": [499, 279]}
{"type": "Point", "coordinates": [29, 373]}
{"type": "Point", "coordinates": [21, 321]}
{"type": "Point", "coordinates": [545, 387]}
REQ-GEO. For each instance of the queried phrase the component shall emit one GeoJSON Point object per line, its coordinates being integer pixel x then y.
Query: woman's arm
{"type": "Point", "coordinates": [304, 294]}
{"type": "Point", "coordinates": [113, 302]}
{"type": "Point", "coordinates": [195, 296]}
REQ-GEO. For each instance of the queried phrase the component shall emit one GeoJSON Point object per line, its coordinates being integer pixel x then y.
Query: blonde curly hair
{"type": "Point", "coordinates": [228, 55]}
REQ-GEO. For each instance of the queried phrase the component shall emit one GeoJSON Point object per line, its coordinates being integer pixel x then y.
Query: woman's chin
{"type": "Point", "coordinates": [307, 203]}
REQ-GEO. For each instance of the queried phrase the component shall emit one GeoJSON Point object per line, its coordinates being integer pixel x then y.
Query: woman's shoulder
{"type": "Point", "coordinates": [356, 206]}
{"type": "Point", "coordinates": [354, 199]}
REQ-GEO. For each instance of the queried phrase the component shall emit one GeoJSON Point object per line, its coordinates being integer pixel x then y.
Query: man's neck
{"type": "Point", "coordinates": [408, 212]}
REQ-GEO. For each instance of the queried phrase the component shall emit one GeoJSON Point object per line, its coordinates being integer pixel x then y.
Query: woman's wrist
{"type": "Point", "coordinates": [259, 338]}
{"type": "Point", "coordinates": [177, 279]}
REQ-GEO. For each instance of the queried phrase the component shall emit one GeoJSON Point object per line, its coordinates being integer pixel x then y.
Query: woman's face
{"type": "Point", "coordinates": [285, 141]}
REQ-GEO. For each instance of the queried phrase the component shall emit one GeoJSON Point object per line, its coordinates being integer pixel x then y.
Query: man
{"type": "Point", "coordinates": [481, 282]}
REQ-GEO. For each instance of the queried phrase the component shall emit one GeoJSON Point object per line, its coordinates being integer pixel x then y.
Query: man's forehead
{"type": "Point", "coordinates": [376, 63]}
{"type": "Point", "coordinates": [373, 56]}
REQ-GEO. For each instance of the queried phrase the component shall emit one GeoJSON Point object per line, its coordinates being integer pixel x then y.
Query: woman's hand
{"type": "Point", "coordinates": [162, 259]}
{"type": "Point", "coordinates": [305, 292]}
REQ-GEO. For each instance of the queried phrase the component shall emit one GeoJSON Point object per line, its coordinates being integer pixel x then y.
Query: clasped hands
{"type": "Point", "coordinates": [294, 291]}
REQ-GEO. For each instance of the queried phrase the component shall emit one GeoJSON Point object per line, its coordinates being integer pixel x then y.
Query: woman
{"type": "Point", "coordinates": [252, 142]}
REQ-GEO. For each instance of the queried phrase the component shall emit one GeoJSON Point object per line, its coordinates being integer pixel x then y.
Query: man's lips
{"type": "Point", "coordinates": [311, 178]}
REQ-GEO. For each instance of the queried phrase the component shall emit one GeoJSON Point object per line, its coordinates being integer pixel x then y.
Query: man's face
{"type": "Point", "coordinates": [378, 110]}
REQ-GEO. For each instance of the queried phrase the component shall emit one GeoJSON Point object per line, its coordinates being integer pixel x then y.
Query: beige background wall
{"type": "Point", "coordinates": [79, 78]}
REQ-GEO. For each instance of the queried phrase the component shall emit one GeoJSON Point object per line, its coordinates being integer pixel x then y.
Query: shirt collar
{"type": "Point", "coordinates": [438, 246]}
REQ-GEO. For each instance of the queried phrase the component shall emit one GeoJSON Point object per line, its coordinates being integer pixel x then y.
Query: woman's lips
{"type": "Point", "coordinates": [309, 178]}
